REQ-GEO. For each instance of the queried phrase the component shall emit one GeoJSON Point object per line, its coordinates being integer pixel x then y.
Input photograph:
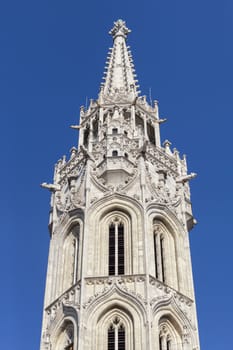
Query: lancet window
{"type": "Point", "coordinates": [114, 244]}
{"type": "Point", "coordinates": [163, 246]}
{"type": "Point", "coordinates": [115, 329]}
{"type": "Point", "coordinates": [169, 335]}
{"type": "Point", "coordinates": [116, 248]}
{"type": "Point", "coordinates": [116, 335]}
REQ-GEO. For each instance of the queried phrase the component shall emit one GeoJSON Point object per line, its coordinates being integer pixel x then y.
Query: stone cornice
{"type": "Point", "coordinates": [65, 297]}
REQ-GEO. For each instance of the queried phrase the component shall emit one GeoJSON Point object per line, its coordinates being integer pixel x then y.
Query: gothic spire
{"type": "Point", "coordinates": [119, 75]}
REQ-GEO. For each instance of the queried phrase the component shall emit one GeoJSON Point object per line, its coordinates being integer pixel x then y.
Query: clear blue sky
{"type": "Point", "coordinates": [52, 58]}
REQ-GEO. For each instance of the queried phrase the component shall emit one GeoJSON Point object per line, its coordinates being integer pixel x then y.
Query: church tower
{"type": "Point", "coordinates": [119, 269]}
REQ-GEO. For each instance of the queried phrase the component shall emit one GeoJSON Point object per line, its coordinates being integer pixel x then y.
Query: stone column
{"type": "Point", "coordinates": [156, 124]}
{"type": "Point", "coordinates": [164, 342]}
{"type": "Point", "coordinates": [157, 134]}
{"type": "Point", "coordinates": [100, 124]}
{"type": "Point", "coordinates": [145, 127]}
{"type": "Point", "coordinates": [133, 119]}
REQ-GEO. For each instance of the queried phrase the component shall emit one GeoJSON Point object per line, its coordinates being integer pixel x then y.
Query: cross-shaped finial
{"type": "Point", "coordinates": [119, 29]}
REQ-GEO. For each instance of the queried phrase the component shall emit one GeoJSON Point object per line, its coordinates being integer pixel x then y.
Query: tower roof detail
{"type": "Point", "coordinates": [119, 75]}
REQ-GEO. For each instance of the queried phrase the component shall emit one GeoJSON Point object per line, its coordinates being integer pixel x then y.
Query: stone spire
{"type": "Point", "coordinates": [119, 268]}
{"type": "Point", "coordinates": [119, 75]}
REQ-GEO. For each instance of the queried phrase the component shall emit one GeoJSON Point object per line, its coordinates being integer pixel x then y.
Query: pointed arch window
{"type": "Point", "coordinates": [164, 241]}
{"type": "Point", "coordinates": [116, 335]}
{"type": "Point", "coordinates": [65, 340]}
{"type": "Point", "coordinates": [116, 260]}
{"type": "Point", "coordinates": [169, 334]}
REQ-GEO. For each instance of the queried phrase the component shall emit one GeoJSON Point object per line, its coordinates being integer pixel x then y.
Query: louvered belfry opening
{"type": "Point", "coordinates": [121, 338]}
{"type": "Point", "coordinates": [116, 335]}
{"type": "Point", "coordinates": [111, 338]}
{"type": "Point", "coordinates": [121, 263]}
{"type": "Point", "coordinates": [111, 256]}
{"type": "Point", "coordinates": [116, 257]}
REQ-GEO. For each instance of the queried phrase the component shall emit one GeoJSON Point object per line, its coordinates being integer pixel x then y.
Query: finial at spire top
{"type": "Point", "coordinates": [119, 29]}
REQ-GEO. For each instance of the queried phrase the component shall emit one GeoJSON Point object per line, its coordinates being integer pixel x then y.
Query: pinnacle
{"type": "Point", "coordinates": [119, 29]}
